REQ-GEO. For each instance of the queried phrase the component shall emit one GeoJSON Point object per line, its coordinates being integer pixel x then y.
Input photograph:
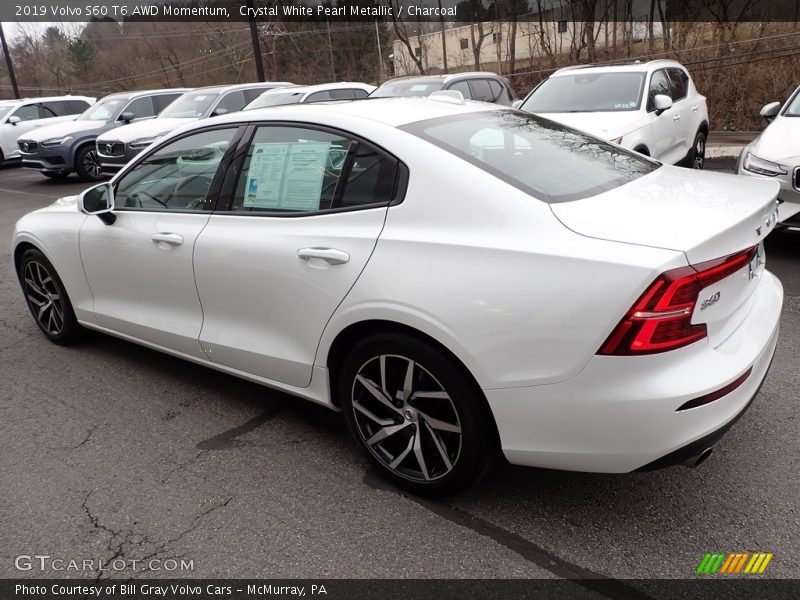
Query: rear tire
{"type": "Point", "coordinates": [697, 156]}
{"type": "Point", "coordinates": [47, 299]}
{"type": "Point", "coordinates": [87, 164]}
{"type": "Point", "coordinates": [416, 414]}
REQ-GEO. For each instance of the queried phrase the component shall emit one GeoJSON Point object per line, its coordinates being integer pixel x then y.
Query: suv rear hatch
{"type": "Point", "coordinates": [718, 221]}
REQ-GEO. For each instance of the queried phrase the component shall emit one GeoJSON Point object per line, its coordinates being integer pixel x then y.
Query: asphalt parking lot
{"type": "Point", "coordinates": [109, 450]}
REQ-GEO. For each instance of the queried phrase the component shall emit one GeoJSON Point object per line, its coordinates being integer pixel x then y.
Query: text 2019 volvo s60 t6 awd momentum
{"type": "Point", "coordinates": [458, 279]}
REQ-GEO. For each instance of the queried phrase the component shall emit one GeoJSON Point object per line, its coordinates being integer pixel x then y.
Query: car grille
{"type": "Point", "coordinates": [28, 146]}
{"type": "Point", "coordinates": [111, 148]}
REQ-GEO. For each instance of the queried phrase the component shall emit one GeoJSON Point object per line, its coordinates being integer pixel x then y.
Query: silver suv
{"type": "Point", "coordinates": [59, 149]}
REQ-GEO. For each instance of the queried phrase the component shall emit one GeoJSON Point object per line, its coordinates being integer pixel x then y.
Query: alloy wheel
{"type": "Point", "coordinates": [44, 298]}
{"type": "Point", "coordinates": [91, 164]}
{"type": "Point", "coordinates": [699, 152]}
{"type": "Point", "coordinates": [406, 418]}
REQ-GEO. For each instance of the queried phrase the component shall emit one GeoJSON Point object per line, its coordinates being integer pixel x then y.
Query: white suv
{"type": "Point", "coordinates": [18, 117]}
{"type": "Point", "coordinates": [653, 107]}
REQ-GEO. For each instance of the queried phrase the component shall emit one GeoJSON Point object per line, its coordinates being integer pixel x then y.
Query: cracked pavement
{"type": "Point", "coordinates": [111, 451]}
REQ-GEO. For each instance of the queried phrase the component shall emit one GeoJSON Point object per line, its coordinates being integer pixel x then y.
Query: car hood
{"type": "Point", "coordinates": [143, 129]}
{"type": "Point", "coordinates": [704, 215]}
{"type": "Point", "coordinates": [62, 129]}
{"type": "Point", "coordinates": [780, 142]}
{"type": "Point", "coordinates": [605, 125]}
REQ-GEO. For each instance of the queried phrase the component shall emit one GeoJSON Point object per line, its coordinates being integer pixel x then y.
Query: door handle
{"type": "Point", "coordinates": [676, 118]}
{"type": "Point", "coordinates": [332, 256]}
{"type": "Point", "coordinates": [695, 107]}
{"type": "Point", "coordinates": [170, 239]}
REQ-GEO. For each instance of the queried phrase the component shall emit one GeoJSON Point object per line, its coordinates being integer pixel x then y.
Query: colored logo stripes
{"type": "Point", "coordinates": [734, 562]}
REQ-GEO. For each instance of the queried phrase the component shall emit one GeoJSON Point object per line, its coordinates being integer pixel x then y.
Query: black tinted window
{"type": "Point", "coordinates": [371, 178]}
{"type": "Point", "coordinates": [162, 101]}
{"type": "Point", "coordinates": [76, 107]}
{"type": "Point", "coordinates": [318, 97]}
{"type": "Point", "coordinates": [659, 84]}
{"type": "Point", "coordinates": [141, 107]}
{"type": "Point", "coordinates": [678, 80]}
{"type": "Point", "coordinates": [54, 108]}
{"type": "Point", "coordinates": [232, 102]}
{"type": "Point", "coordinates": [359, 93]}
{"type": "Point", "coordinates": [342, 94]}
{"type": "Point", "coordinates": [481, 90]}
{"type": "Point", "coordinates": [253, 93]}
{"type": "Point", "coordinates": [540, 157]}
{"type": "Point", "coordinates": [463, 87]}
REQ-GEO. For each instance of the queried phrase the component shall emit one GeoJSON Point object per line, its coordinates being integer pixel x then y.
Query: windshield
{"type": "Point", "coordinates": [587, 92]}
{"type": "Point", "coordinates": [104, 110]}
{"type": "Point", "coordinates": [275, 100]}
{"type": "Point", "coordinates": [407, 87]}
{"type": "Point", "coordinates": [792, 108]}
{"type": "Point", "coordinates": [540, 157]}
{"type": "Point", "coordinates": [190, 106]}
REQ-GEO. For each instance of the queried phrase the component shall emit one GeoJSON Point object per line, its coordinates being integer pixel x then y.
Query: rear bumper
{"type": "Point", "coordinates": [620, 413]}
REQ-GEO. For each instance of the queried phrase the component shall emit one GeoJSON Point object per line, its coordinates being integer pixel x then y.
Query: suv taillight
{"type": "Point", "coordinates": [660, 320]}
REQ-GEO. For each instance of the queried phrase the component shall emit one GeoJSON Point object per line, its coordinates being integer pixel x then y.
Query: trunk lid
{"type": "Point", "coordinates": [704, 215]}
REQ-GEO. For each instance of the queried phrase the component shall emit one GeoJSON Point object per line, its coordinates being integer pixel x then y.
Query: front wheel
{"type": "Point", "coordinates": [87, 164]}
{"type": "Point", "coordinates": [417, 415]}
{"type": "Point", "coordinates": [47, 299]}
{"type": "Point", "coordinates": [698, 155]}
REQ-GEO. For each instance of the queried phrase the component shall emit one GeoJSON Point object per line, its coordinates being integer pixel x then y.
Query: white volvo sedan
{"type": "Point", "coordinates": [458, 279]}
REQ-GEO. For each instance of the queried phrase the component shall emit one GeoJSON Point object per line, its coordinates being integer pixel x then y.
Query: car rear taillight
{"type": "Point", "coordinates": [660, 320]}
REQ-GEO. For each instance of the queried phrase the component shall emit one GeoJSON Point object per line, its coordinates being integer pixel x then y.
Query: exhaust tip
{"type": "Point", "coordinates": [698, 459]}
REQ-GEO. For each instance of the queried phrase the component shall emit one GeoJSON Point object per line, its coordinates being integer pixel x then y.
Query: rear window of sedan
{"type": "Point", "coordinates": [540, 157]}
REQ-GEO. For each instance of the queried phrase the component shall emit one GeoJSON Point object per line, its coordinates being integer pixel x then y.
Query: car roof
{"type": "Point", "coordinates": [394, 112]}
{"type": "Point", "coordinates": [242, 86]}
{"type": "Point", "coordinates": [46, 99]}
{"type": "Point", "coordinates": [444, 78]}
{"type": "Point", "coordinates": [627, 67]}
{"type": "Point", "coordinates": [321, 87]}
{"type": "Point", "coordinates": [139, 93]}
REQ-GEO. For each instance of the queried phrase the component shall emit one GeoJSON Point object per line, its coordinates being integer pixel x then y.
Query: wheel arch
{"type": "Point", "coordinates": [80, 145]}
{"type": "Point", "coordinates": [642, 149]}
{"type": "Point", "coordinates": [354, 332]}
{"type": "Point", "coordinates": [704, 128]}
{"type": "Point", "coordinates": [20, 249]}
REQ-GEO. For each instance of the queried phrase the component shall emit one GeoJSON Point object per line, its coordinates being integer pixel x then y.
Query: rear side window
{"type": "Point", "coordinates": [290, 170]}
{"type": "Point", "coordinates": [481, 90]}
{"type": "Point", "coordinates": [53, 108]}
{"type": "Point", "coordinates": [342, 94]}
{"type": "Point", "coordinates": [76, 107]}
{"type": "Point", "coordinates": [359, 93]}
{"type": "Point", "coordinates": [318, 97]}
{"type": "Point", "coordinates": [540, 157]}
{"type": "Point", "coordinates": [251, 94]}
{"type": "Point", "coordinates": [141, 108]}
{"type": "Point", "coordinates": [162, 101]}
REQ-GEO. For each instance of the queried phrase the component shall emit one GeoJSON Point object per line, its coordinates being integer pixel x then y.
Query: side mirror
{"type": "Point", "coordinates": [14, 119]}
{"type": "Point", "coordinates": [770, 111]}
{"type": "Point", "coordinates": [127, 116]}
{"type": "Point", "coordinates": [517, 104]}
{"type": "Point", "coordinates": [218, 112]}
{"type": "Point", "coordinates": [99, 201]}
{"type": "Point", "coordinates": [662, 102]}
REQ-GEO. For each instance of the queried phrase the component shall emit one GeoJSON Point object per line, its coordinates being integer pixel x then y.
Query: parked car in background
{"type": "Point", "coordinates": [301, 94]}
{"type": "Point", "coordinates": [650, 107]}
{"type": "Point", "coordinates": [116, 148]}
{"type": "Point", "coordinates": [775, 154]}
{"type": "Point", "coordinates": [18, 117]}
{"type": "Point", "coordinates": [418, 264]}
{"type": "Point", "coordinates": [57, 150]}
{"type": "Point", "coordinates": [479, 85]}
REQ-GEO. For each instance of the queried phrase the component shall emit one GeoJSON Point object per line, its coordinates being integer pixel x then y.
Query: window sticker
{"type": "Point", "coordinates": [286, 175]}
